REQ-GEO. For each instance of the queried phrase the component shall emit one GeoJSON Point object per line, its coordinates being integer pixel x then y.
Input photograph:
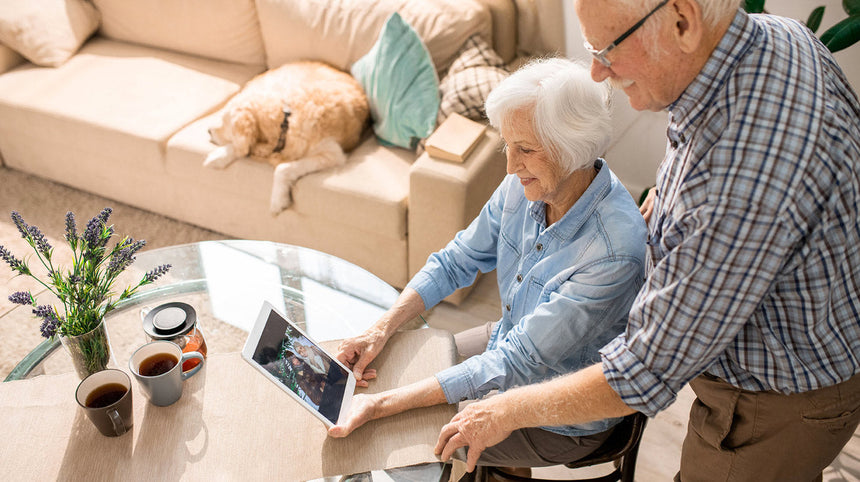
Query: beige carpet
{"type": "Point", "coordinates": [45, 204]}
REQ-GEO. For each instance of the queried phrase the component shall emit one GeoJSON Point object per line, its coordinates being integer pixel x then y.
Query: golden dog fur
{"type": "Point", "coordinates": [328, 112]}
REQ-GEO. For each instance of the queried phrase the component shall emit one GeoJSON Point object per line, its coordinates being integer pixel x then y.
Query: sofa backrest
{"type": "Point", "coordinates": [220, 29]}
{"type": "Point", "coordinates": [340, 32]}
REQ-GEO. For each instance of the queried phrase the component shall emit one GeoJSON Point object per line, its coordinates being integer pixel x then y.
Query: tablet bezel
{"type": "Point", "coordinates": [250, 348]}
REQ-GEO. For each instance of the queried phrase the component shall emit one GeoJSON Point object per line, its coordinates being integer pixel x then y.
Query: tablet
{"type": "Point", "coordinates": [288, 357]}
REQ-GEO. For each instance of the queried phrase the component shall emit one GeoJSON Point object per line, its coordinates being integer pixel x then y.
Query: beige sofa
{"type": "Point", "coordinates": [127, 116]}
{"type": "Point", "coordinates": [124, 113]}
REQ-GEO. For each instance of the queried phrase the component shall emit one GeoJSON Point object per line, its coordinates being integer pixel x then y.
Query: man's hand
{"type": "Point", "coordinates": [479, 425]}
{"type": "Point", "coordinates": [358, 352]}
{"type": "Point", "coordinates": [364, 409]}
{"type": "Point", "coordinates": [647, 207]}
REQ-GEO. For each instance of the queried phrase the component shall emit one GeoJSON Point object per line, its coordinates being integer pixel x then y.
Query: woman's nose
{"type": "Point", "coordinates": [513, 165]}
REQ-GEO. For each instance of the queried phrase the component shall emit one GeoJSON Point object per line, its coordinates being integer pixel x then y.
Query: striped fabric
{"type": "Point", "coordinates": [755, 236]}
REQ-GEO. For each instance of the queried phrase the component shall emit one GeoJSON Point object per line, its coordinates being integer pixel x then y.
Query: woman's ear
{"type": "Point", "coordinates": [689, 28]}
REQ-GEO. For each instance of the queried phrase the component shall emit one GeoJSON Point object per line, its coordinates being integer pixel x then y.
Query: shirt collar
{"type": "Point", "coordinates": [685, 111]}
{"type": "Point", "coordinates": [583, 208]}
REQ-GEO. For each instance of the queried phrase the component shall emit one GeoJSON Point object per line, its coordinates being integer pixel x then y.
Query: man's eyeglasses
{"type": "Point", "coordinates": [600, 55]}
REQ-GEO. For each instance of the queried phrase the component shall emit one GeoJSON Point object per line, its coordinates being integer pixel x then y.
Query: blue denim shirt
{"type": "Point", "coordinates": [565, 289]}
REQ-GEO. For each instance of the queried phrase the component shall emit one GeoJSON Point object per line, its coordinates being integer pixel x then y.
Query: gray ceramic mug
{"type": "Point", "coordinates": [157, 366]}
{"type": "Point", "coordinates": [106, 397]}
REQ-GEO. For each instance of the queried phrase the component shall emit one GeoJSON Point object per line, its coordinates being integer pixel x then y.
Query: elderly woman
{"type": "Point", "coordinates": [568, 245]}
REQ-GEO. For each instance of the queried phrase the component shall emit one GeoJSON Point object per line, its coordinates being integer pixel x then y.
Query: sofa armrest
{"type": "Point", "coordinates": [444, 197]}
{"type": "Point", "coordinates": [9, 59]}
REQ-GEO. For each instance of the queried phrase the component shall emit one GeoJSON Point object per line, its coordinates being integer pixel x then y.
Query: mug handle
{"type": "Point", "coordinates": [188, 356]}
{"type": "Point", "coordinates": [116, 420]}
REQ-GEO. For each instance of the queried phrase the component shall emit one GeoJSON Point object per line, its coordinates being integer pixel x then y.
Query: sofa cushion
{"type": "Point", "coordinates": [401, 85]}
{"type": "Point", "coordinates": [9, 58]}
{"type": "Point", "coordinates": [47, 32]}
{"type": "Point", "coordinates": [368, 193]}
{"type": "Point", "coordinates": [219, 29]}
{"type": "Point", "coordinates": [473, 75]}
{"type": "Point", "coordinates": [109, 109]}
{"type": "Point", "coordinates": [340, 32]}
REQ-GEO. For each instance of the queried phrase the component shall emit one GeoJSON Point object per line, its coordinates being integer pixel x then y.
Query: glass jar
{"type": "Point", "coordinates": [176, 322]}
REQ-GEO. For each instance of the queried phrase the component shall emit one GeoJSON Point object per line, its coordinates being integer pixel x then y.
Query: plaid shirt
{"type": "Point", "coordinates": [755, 238]}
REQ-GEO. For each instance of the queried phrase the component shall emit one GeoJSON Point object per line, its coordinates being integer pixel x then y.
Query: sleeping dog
{"type": "Point", "coordinates": [300, 117]}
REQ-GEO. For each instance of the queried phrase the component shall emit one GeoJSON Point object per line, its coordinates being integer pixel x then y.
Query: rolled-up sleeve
{"type": "Point", "coordinates": [581, 312]}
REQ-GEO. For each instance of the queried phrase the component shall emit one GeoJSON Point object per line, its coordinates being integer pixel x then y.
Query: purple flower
{"type": "Point", "coordinates": [156, 273]}
{"type": "Point", "coordinates": [40, 241]}
{"type": "Point", "coordinates": [71, 227]}
{"type": "Point", "coordinates": [50, 321]}
{"type": "Point", "coordinates": [121, 259]}
{"type": "Point", "coordinates": [104, 215]}
{"type": "Point", "coordinates": [12, 261]}
{"type": "Point", "coordinates": [20, 224]}
{"type": "Point", "coordinates": [21, 298]}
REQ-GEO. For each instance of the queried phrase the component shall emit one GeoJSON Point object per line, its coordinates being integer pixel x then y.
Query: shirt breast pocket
{"type": "Point", "coordinates": [508, 259]}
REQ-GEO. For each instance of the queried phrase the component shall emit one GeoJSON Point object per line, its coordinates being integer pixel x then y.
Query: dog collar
{"type": "Point", "coordinates": [282, 137]}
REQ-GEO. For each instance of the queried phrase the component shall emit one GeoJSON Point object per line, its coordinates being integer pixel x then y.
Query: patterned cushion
{"type": "Point", "coordinates": [475, 72]}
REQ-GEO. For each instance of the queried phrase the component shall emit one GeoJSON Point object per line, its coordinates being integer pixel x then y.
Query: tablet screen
{"type": "Point", "coordinates": [298, 364]}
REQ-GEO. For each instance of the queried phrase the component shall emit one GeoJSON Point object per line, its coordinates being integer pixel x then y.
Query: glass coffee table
{"type": "Point", "coordinates": [226, 282]}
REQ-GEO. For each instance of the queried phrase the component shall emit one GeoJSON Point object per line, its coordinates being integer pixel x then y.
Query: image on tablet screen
{"type": "Point", "coordinates": [301, 366]}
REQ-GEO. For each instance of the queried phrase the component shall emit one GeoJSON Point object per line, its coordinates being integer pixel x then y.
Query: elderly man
{"type": "Point", "coordinates": [754, 237]}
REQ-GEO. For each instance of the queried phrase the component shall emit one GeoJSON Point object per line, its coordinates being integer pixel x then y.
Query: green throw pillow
{"type": "Point", "coordinates": [401, 84]}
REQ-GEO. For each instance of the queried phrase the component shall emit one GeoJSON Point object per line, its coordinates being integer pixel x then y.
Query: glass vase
{"type": "Point", "coordinates": [90, 352]}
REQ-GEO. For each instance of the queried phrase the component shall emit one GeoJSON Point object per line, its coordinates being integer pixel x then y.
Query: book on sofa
{"type": "Point", "coordinates": [455, 138]}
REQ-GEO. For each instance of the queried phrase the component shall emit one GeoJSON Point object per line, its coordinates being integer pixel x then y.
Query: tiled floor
{"type": "Point", "coordinates": [660, 451]}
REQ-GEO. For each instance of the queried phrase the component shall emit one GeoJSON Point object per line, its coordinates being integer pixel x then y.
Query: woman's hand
{"type": "Point", "coordinates": [364, 409]}
{"type": "Point", "coordinates": [358, 352]}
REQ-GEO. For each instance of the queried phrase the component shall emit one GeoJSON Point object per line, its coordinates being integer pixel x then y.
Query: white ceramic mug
{"type": "Point", "coordinates": [157, 366]}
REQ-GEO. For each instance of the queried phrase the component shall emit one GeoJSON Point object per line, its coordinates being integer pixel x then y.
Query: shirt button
{"type": "Point", "coordinates": [520, 278]}
{"type": "Point", "coordinates": [674, 144]}
{"type": "Point", "coordinates": [539, 247]}
{"type": "Point", "coordinates": [683, 139]}
{"type": "Point", "coordinates": [508, 307]}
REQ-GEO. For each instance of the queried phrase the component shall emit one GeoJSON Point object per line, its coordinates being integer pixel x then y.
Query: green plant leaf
{"type": "Point", "coordinates": [842, 35]}
{"type": "Point", "coordinates": [851, 7]}
{"type": "Point", "coordinates": [755, 6]}
{"type": "Point", "coordinates": [814, 20]}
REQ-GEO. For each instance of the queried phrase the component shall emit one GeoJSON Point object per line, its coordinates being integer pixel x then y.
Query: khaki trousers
{"type": "Point", "coordinates": [740, 435]}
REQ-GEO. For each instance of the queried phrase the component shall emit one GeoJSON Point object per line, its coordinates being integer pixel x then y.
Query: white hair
{"type": "Point", "coordinates": [713, 11]}
{"type": "Point", "coordinates": [571, 112]}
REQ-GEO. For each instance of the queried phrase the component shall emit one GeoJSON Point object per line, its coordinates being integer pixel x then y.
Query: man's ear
{"type": "Point", "coordinates": [689, 28]}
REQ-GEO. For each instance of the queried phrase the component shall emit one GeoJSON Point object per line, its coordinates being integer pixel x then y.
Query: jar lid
{"type": "Point", "coordinates": [169, 320]}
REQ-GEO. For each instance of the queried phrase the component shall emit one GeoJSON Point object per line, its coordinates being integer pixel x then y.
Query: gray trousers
{"type": "Point", "coordinates": [528, 447]}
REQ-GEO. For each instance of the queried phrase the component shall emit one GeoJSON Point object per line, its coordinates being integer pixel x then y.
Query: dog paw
{"type": "Point", "coordinates": [281, 199]}
{"type": "Point", "coordinates": [219, 158]}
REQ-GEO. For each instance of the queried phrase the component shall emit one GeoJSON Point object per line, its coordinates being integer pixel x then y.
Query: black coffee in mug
{"type": "Point", "coordinates": [157, 364]}
{"type": "Point", "coordinates": [105, 395]}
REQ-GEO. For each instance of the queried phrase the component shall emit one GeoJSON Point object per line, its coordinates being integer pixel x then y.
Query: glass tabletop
{"type": "Point", "coordinates": [226, 282]}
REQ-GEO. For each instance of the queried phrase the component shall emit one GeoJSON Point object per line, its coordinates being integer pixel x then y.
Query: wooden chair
{"type": "Point", "coordinates": [620, 448]}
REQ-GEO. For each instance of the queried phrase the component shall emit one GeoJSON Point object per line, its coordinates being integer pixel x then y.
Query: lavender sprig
{"type": "Point", "coordinates": [123, 255]}
{"type": "Point", "coordinates": [22, 298]}
{"type": "Point", "coordinates": [13, 262]}
{"type": "Point", "coordinates": [20, 224]}
{"type": "Point", "coordinates": [40, 241]}
{"type": "Point", "coordinates": [71, 228]}
{"type": "Point", "coordinates": [86, 289]}
{"type": "Point", "coordinates": [50, 321]}
{"type": "Point", "coordinates": [156, 273]}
